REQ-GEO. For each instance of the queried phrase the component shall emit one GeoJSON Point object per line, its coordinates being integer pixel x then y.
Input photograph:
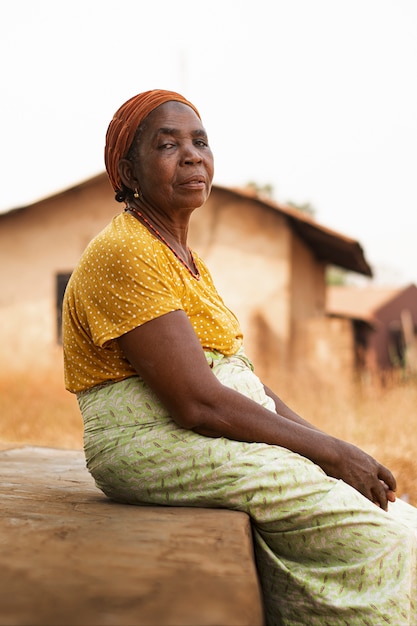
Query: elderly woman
{"type": "Point", "coordinates": [175, 415]}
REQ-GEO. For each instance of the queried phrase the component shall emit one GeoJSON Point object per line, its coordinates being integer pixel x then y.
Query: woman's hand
{"type": "Point", "coordinates": [358, 469]}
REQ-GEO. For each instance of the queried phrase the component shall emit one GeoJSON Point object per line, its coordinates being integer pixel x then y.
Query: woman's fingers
{"type": "Point", "coordinates": [387, 477]}
{"type": "Point", "coordinates": [382, 494]}
{"type": "Point", "coordinates": [390, 493]}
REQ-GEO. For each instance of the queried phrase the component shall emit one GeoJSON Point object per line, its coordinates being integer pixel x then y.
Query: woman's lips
{"type": "Point", "coordinates": [194, 183]}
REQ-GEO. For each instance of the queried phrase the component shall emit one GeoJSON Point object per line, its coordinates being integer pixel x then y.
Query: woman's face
{"type": "Point", "coordinates": [174, 167]}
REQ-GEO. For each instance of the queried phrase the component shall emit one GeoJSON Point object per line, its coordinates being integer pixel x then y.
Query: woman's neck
{"type": "Point", "coordinates": [175, 231]}
{"type": "Point", "coordinates": [181, 251]}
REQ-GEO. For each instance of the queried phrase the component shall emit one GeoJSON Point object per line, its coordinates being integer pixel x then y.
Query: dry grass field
{"type": "Point", "coordinates": [39, 412]}
{"type": "Point", "coordinates": [382, 420]}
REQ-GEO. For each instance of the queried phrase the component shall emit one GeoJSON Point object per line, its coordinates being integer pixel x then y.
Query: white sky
{"type": "Point", "coordinates": [316, 97]}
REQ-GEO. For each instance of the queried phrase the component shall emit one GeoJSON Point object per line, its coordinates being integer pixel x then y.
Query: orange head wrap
{"type": "Point", "coordinates": [125, 122]}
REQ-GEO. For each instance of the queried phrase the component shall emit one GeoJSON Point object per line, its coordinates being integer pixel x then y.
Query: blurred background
{"type": "Point", "coordinates": [312, 104]}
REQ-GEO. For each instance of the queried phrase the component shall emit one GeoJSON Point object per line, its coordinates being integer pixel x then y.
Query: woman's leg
{"type": "Point", "coordinates": [325, 554]}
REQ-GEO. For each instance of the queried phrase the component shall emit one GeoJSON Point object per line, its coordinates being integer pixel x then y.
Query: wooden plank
{"type": "Point", "coordinates": [72, 557]}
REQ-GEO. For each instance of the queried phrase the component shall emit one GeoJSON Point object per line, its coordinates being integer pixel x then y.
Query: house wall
{"type": "Point", "coordinates": [324, 352]}
{"type": "Point", "coordinates": [308, 279]}
{"type": "Point", "coordinates": [320, 347]}
{"type": "Point", "coordinates": [36, 243]}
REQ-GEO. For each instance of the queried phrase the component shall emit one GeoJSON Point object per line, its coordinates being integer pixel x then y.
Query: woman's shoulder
{"type": "Point", "coordinates": [120, 234]}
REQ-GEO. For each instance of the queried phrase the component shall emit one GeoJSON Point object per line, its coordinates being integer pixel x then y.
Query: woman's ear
{"type": "Point", "coordinates": [125, 168]}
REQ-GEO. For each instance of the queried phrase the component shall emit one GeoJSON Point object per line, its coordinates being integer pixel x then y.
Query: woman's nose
{"type": "Point", "coordinates": [191, 154]}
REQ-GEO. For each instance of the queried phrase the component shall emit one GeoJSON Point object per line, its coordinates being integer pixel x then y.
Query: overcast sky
{"type": "Point", "coordinates": [317, 98]}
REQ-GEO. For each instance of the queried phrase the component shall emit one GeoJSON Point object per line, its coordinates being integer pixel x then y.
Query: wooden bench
{"type": "Point", "coordinates": [71, 557]}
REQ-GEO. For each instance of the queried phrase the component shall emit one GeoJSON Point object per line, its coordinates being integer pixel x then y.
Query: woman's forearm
{"type": "Point", "coordinates": [284, 410]}
{"type": "Point", "coordinates": [237, 417]}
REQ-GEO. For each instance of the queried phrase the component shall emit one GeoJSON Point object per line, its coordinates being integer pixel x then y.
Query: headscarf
{"type": "Point", "coordinates": [125, 122]}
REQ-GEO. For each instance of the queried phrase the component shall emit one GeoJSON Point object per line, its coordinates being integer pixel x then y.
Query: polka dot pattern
{"type": "Point", "coordinates": [127, 277]}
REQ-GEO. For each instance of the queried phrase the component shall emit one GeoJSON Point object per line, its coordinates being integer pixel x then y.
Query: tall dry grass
{"type": "Point", "coordinates": [38, 411]}
{"type": "Point", "coordinates": [381, 419]}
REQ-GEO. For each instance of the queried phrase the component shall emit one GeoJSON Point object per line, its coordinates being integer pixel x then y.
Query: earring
{"type": "Point", "coordinates": [136, 193]}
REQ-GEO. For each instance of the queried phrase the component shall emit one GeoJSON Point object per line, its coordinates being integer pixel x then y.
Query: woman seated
{"type": "Point", "coordinates": [175, 415]}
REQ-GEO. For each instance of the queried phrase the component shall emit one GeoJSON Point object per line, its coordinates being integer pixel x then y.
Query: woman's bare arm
{"type": "Point", "coordinates": [166, 353]}
{"type": "Point", "coordinates": [284, 410]}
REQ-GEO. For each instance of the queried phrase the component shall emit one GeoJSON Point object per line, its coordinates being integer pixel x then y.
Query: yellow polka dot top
{"type": "Point", "coordinates": [127, 277]}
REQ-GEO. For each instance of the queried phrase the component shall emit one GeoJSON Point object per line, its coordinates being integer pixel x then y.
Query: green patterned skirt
{"type": "Point", "coordinates": [324, 553]}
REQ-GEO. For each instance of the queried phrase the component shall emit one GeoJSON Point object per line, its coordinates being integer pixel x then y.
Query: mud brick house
{"type": "Point", "coordinates": [268, 261]}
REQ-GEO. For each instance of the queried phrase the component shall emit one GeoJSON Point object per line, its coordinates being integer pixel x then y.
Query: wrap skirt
{"type": "Point", "coordinates": [325, 554]}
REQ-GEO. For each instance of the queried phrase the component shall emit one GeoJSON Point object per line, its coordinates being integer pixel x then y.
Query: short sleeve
{"type": "Point", "coordinates": [124, 281]}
